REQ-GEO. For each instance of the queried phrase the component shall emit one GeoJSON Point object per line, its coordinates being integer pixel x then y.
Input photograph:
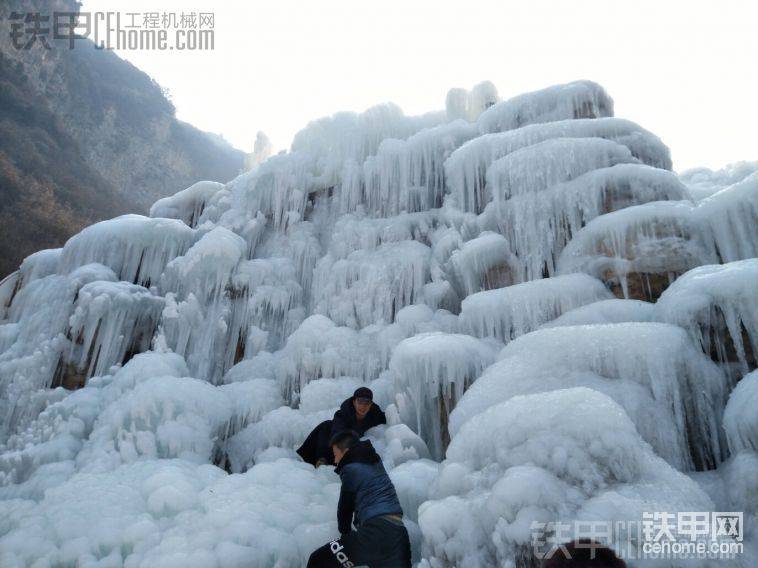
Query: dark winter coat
{"type": "Point", "coordinates": [346, 419]}
{"type": "Point", "coordinates": [316, 445]}
{"type": "Point", "coordinates": [367, 490]}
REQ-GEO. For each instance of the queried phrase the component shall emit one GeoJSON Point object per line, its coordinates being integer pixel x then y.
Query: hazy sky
{"type": "Point", "coordinates": [686, 70]}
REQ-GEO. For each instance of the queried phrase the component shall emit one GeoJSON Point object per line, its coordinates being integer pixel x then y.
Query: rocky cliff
{"type": "Point", "coordinates": [86, 136]}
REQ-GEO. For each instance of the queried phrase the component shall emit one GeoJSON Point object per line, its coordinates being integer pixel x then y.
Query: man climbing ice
{"type": "Point", "coordinates": [367, 496]}
{"type": "Point", "coordinates": [358, 413]}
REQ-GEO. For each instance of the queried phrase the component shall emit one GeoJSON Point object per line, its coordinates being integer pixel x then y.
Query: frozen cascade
{"type": "Point", "coordinates": [704, 182]}
{"type": "Point", "coordinates": [405, 175]}
{"type": "Point", "coordinates": [740, 418]}
{"type": "Point", "coordinates": [540, 224]}
{"type": "Point", "coordinates": [580, 99]}
{"type": "Point", "coordinates": [680, 386]}
{"type": "Point", "coordinates": [157, 373]}
{"type": "Point", "coordinates": [606, 311]}
{"type": "Point", "coordinates": [319, 348]}
{"type": "Point", "coordinates": [196, 317]}
{"type": "Point", "coordinates": [187, 205]}
{"type": "Point", "coordinates": [136, 248]}
{"type": "Point", "coordinates": [34, 341]}
{"type": "Point", "coordinates": [301, 244]}
{"type": "Point", "coordinates": [57, 434]}
{"type": "Point", "coordinates": [111, 321]}
{"type": "Point", "coordinates": [732, 216]}
{"type": "Point", "coordinates": [35, 266]}
{"type": "Point", "coordinates": [640, 250]}
{"type": "Point", "coordinates": [354, 232]}
{"type": "Point", "coordinates": [714, 304]}
{"type": "Point", "coordinates": [349, 137]}
{"type": "Point", "coordinates": [466, 168]}
{"type": "Point", "coordinates": [554, 456]}
{"type": "Point", "coordinates": [371, 286]}
{"type": "Point", "coordinates": [480, 264]}
{"type": "Point", "coordinates": [431, 372]}
{"type": "Point", "coordinates": [469, 105]}
{"type": "Point", "coordinates": [542, 165]}
{"type": "Point", "coordinates": [507, 313]}
{"type": "Point", "coordinates": [266, 307]}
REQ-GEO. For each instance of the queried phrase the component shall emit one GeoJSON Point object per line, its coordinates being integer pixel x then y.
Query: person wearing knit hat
{"type": "Point", "coordinates": [358, 413]}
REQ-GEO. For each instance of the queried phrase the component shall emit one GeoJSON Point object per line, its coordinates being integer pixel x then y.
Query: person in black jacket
{"type": "Point", "coordinates": [368, 500]}
{"type": "Point", "coordinates": [357, 413]}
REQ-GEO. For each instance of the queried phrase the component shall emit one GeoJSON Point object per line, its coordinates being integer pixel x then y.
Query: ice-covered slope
{"type": "Point", "coordinates": [490, 271]}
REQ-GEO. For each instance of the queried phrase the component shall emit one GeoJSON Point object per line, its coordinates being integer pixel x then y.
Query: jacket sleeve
{"type": "Point", "coordinates": [376, 417]}
{"type": "Point", "coordinates": [339, 423]}
{"type": "Point", "coordinates": [381, 418]}
{"type": "Point", "coordinates": [345, 509]}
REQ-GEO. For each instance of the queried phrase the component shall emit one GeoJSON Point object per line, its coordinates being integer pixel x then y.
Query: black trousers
{"type": "Point", "coordinates": [378, 543]}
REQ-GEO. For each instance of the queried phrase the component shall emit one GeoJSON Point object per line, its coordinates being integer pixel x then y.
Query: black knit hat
{"type": "Point", "coordinates": [363, 392]}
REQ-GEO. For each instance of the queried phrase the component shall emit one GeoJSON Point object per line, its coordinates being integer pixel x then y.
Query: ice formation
{"type": "Point", "coordinates": [704, 182]}
{"type": "Point", "coordinates": [431, 372]}
{"type": "Point", "coordinates": [732, 217]}
{"type": "Point", "coordinates": [509, 312]}
{"type": "Point", "coordinates": [581, 99]}
{"type": "Point", "coordinates": [136, 248]}
{"type": "Point", "coordinates": [714, 304]}
{"type": "Point", "coordinates": [157, 373]}
{"type": "Point", "coordinates": [187, 205]}
{"type": "Point", "coordinates": [566, 454]}
{"type": "Point", "coordinates": [480, 264]}
{"type": "Point", "coordinates": [543, 222]}
{"type": "Point", "coordinates": [638, 251]}
{"type": "Point", "coordinates": [740, 418]}
{"type": "Point", "coordinates": [606, 311]}
{"type": "Point", "coordinates": [653, 370]}
{"type": "Point", "coordinates": [466, 169]}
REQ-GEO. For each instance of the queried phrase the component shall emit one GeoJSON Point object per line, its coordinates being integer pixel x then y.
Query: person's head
{"type": "Point", "coordinates": [583, 553]}
{"type": "Point", "coordinates": [341, 443]}
{"type": "Point", "coordinates": [362, 401]}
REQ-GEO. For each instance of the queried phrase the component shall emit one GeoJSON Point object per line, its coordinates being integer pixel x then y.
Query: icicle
{"type": "Point", "coordinates": [38, 317]}
{"type": "Point", "coordinates": [482, 263]}
{"type": "Point", "coordinates": [371, 286]}
{"type": "Point", "coordinates": [267, 297]}
{"type": "Point", "coordinates": [196, 317]}
{"type": "Point", "coordinates": [187, 205]}
{"type": "Point", "coordinates": [111, 322]}
{"type": "Point", "coordinates": [319, 348]}
{"type": "Point", "coordinates": [605, 312]}
{"type": "Point", "coordinates": [740, 417]}
{"type": "Point", "coordinates": [548, 457]}
{"type": "Point", "coordinates": [580, 99]}
{"type": "Point", "coordinates": [355, 232]}
{"type": "Point", "coordinates": [509, 312]}
{"type": "Point", "coordinates": [540, 166]}
{"type": "Point", "coordinates": [703, 182]}
{"type": "Point", "coordinates": [640, 250]}
{"type": "Point", "coordinates": [732, 217]}
{"type": "Point", "coordinates": [469, 105]}
{"type": "Point", "coordinates": [348, 136]}
{"type": "Point", "coordinates": [717, 306]}
{"type": "Point", "coordinates": [466, 168]}
{"type": "Point", "coordinates": [539, 224]}
{"type": "Point", "coordinates": [672, 392]}
{"type": "Point", "coordinates": [137, 248]}
{"type": "Point", "coordinates": [408, 176]}
{"type": "Point", "coordinates": [434, 370]}
{"type": "Point", "coordinates": [40, 264]}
